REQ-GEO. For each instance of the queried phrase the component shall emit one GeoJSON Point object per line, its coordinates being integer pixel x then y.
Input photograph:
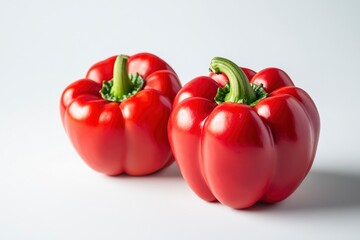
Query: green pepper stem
{"type": "Point", "coordinates": [122, 84]}
{"type": "Point", "coordinates": [240, 88]}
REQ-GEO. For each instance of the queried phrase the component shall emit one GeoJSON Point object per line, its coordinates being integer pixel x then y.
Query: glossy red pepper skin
{"type": "Point", "coordinates": [237, 154]}
{"type": "Point", "coordinates": [122, 137]}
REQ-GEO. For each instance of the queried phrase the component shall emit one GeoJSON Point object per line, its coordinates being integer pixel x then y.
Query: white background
{"type": "Point", "coordinates": [47, 192]}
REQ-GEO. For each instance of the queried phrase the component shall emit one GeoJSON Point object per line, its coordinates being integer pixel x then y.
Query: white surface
{"type": "Point", "coordinates": [47, 192]}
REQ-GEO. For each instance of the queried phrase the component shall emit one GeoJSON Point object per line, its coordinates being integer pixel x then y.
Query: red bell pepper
{"type": "Point", "coordinates": [246, 141]}
{"type": "Point", "coordinates": [117, 116]}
